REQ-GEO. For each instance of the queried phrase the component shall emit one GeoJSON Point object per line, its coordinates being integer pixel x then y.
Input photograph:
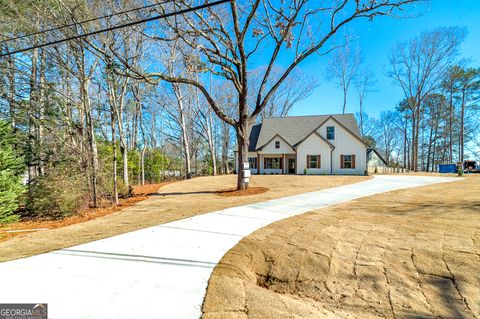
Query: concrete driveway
{"type": "Point", "coordinates": [161, 271]}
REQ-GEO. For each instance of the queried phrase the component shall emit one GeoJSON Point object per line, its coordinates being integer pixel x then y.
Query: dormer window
{"type": "Point", "coordinates": [330, 133]}
{"type": "Point", "coordinates": [277, 144]}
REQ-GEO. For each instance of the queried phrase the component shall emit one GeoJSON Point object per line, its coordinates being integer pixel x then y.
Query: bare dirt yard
{"type": "Point", "coordinates": [411, 253]}
{"type": "Point", "coordinates": [172, 202]}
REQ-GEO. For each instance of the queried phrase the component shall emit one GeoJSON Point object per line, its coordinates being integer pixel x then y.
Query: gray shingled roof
{"type": "Point", "coordinates": [295, 128]}
{"type": "Point", "coordinates": [253, 137]}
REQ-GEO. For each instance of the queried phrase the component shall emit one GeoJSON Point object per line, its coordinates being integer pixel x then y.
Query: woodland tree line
{"type": "Point", "coordinates": [84, 120]}
{"type": "Point", "coordinates": [438, 121]}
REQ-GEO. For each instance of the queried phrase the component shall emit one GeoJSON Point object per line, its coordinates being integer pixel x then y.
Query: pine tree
{"type": "Point", "coordinates": [11, 170]}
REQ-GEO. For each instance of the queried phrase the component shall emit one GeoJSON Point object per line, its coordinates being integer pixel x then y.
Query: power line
{"type": "Point", "coordinates": [85, 21]}
{"type": "Point", "coordinates": [163, 16]}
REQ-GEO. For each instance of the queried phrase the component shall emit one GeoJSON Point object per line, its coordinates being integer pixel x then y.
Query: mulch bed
{"type": "Point", "coordinates": [140, 193]}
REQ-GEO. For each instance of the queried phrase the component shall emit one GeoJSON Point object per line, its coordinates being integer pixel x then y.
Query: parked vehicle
{"type": "Point", "coordinates": [470, 166]}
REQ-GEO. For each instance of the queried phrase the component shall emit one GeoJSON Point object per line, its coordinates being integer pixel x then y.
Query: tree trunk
{"type": "Point", "coordinates": [125, 162]}
{"type": "Point", "coordinates": [429, 149]}
{"type": "Point", "coordinates": [242, 142]}
{"type": "Point", "coordinates": [434, 151]}
{"type": "Point", "coordinates": [450, 129]}
{"type": "Point", "coordinates": [462, 128]}
{"type": "Point", "coordinates": [184, 130]}
{"type": "Point", "coordinates": [32, 167]}
{"type": "Point", "coordinates": [225, 146]}
{"type": "Point", "coordinates": [142, 165]}
{"type": "Point", "coordinates": [242, 158]}
{"type": "Point", "coordinates": [412, 142]}
{"type": "Point", "coordinates": [422, 150]}
{"type": "Point", "coordinates": [11, 99]}
{"type": "Point", "coordinates": [124, 146]}
{"type": "Point", "coordinates": [41, 114]}
{"type": "Point", "coordinates": [405, 142]}
{"type": "Point", "coordinates": [144, 140]}
{"type": "Point", "coordinates": [91, 140]}
{"type": "Point", "coordinates": [361, 117]}
{"type": "Point", "coordinates": [415, 137]}
{"type": "Point", "coordinates": [211, 146]}
{"type": "Point", "coordinates": [114, 152]}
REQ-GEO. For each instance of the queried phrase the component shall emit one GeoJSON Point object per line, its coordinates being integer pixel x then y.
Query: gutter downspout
{"type": "Point", "coordinates": [331, 160]}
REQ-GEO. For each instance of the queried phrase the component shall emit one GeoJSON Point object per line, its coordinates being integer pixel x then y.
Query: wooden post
{"type": "Point", "coordinates": [258, 164]}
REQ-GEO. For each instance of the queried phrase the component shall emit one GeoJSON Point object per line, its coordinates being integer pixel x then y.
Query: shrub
{"type": "Point", "coordinates": [10, 190]}
{"type": "Point", "coordinates": [460, 171]}
{"type": "Point", "coordinates": [123, 190]}
{"type": "Point", "coordinates": [57, 194]}
{"type": "Point", "coordinates": [11, 169]}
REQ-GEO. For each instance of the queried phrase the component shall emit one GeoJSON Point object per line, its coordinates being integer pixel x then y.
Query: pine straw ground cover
{"type": "Point", "coordinates": [172, 202]}
{"type": "Point", "coordinates": [140, 193]}
{"type": "Point", "coordinates": [411, 253]}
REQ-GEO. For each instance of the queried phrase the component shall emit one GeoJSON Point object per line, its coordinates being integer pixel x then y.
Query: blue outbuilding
{"type": "Point", "coordinates": [447, 168]}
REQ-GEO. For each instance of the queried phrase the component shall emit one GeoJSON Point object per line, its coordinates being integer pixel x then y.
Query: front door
{"type": "Point", "coordinates": [291, 166]}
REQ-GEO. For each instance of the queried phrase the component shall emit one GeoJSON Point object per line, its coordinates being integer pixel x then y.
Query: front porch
{"type": "Point", "coordinates": [273, 164]}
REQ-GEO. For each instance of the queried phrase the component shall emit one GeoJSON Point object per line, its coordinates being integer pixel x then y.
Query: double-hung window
{"type": "Point", "coordinates": [277, 144]}
{"type": "Point", "coordinates": [313, 161]}
{"type": "Point", "coordinates": [347, 161]}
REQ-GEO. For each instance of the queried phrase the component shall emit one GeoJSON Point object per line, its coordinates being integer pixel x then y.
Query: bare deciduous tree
{"type": "Point", "coordinates": [297, 87]}
{"type": "Point", "coordinates": [229, 38]}
{"type": "Point", "coordinates": [364, 81]}
{"type": "Point", "coordinates": [342, 69]}
{"type": "Point", "coordinates": [418, 67]}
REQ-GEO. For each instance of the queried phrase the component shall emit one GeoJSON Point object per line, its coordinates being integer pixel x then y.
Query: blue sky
{"type": "Point", "coordinates": [375, 40]}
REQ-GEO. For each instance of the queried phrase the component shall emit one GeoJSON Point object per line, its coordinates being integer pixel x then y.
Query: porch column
{"type": "Point", "coordinates": [259, 157]}
{"type": "Point", "coordinates": [284, 164]}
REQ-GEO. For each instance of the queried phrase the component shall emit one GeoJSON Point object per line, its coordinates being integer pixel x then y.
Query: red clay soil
{"type": "Point", "coordinates": [249, 191]}
{"type": "Point", "coordinates": [140, 193]}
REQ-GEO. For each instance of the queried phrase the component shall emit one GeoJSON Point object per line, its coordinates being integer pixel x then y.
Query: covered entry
{"type": "Point", "coordinates": [291, 165]}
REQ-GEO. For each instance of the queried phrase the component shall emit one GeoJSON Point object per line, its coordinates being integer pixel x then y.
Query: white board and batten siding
{"type": "Point", "coordinates": [271, 151]}
{"type": "Point", "coordinates": [313, 145]}
{"type": "Point", "coordinates": [345, 144]}
{"type": "Point", "coordinates": [270, 148]}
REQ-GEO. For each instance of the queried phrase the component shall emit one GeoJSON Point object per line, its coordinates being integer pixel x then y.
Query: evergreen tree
{"type": "Point", "coordinates": [11, 170]}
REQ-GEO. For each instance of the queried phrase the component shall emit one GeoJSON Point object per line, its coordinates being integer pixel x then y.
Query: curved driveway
{"type": "Point", "coordinates": [161, 271]}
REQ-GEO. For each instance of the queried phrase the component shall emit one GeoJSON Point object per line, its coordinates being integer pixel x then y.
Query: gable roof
{"type": "Point", "coordinates": [372, 150]}
{"type": "Point", "coordinates": [295, 128]}
{"type": "Point", "coordinates": [276, 135]}
{"type": "Point", "coordinates": [314, 132]}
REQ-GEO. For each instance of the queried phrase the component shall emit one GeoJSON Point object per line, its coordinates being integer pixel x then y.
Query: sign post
{"type": "Point", "coordinates": [246, 173]}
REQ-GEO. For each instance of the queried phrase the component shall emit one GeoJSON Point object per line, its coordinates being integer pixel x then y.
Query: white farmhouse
{"type": "Point", "coordinates": [320, 144]}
